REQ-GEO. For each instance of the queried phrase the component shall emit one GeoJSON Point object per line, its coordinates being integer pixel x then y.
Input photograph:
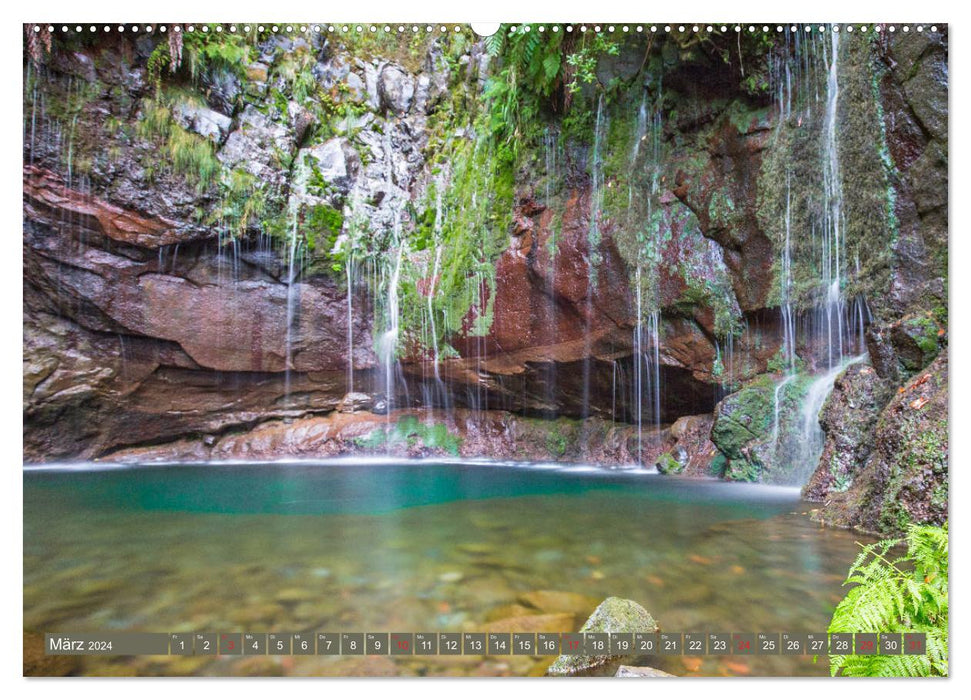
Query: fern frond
{"type": "Point", "coordinates": [494, 44]}
{"type": "Point", "coordinates": [551, 66]}
{"type": "Point", "coordinates": [904, 594]}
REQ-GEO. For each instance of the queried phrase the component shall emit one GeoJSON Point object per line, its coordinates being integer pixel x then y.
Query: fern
{"type": "Point", "coordinates": [904, 594]}
{"type": "Point", "coordinates": [495, 43]}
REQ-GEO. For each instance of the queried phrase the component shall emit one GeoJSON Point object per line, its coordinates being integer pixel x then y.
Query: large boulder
{"type": "Point", "coordinates": [848, 420]}
{"type": "Point", "coordinates": [905, 480]}
{"type": "Point", "coordinates": [201, 120]}
{"type": "Point", "coordinates": [641, 672]}
{"type": "Point", "coordinates": [335, 162]}
{"type": "Point", "coordinates": [916, 340]}
{"type": "Point", "coordinates": [742, 420]}
{"type": "Point", "coordinates": [396, 89]}
{"type": "Point", "coordinates": [612, 615]}
{"type": "Point", "coordinates": [257, 145]}
{"type": "Point", "coordinates": [691, 450]}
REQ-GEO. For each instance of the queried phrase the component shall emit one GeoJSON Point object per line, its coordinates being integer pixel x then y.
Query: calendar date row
{"type": "Point", "coordinates": [486, 643]}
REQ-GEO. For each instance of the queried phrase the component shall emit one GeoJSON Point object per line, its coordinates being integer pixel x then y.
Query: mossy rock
{"type": "Point", "coordinates": [669, 464]}
{"type": "Point", "coordinates": [916, 342]}
{"type": "Point", "coordinates": [743, 469]}
{"type": "Point", "coordinates": [556, 443]}
{"type": "Point", "coordinates": [743, 417]}
{"type": "Point", "coordinates": [742, 420]}
{"type": "Point", "coordinates": [905, 480]}
{"type": "Point", "coordinates": [412, 434]}
{"type": "Point", "coordinates": [612, 615]}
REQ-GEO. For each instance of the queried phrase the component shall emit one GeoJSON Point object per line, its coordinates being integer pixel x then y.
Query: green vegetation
{"type": "Point", "coordinates": [556, 442]}
{"type": "Point", "coordinates": [186, 54]}
{"type": "Point", "coordinates": [411, 432]}
{"type": "Point", "coordinates": [743, 418]}
{"type": "Point", "coordinates": [922, 333]}
{"type": "Point", "coordinates": [924, 452]}
{"type": "Point", "coordinates": [751, 445]}
{"type": "Point", "coordinates": [243, 203]}
{"type": "Point", "coordinates": [906, 593]}
{"type": "Point", "coordinates": [667, 463]}
{"type": "Point", "coordinates": [188, 154]}
{"type": "Point", "coordinates": [407, 49]}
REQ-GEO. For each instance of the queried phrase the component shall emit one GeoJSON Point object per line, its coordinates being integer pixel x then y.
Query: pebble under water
{"type": "Point", "coordinates": [417, 546]}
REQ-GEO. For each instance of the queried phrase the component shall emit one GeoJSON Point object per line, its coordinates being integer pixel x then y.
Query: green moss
{"type": "Point", "coordinates": [721, 210]}
{"type": "Point", "coordinates": [922, 460]}
{"type": "Point", "coordinates": [744, 117]}
{"type": "Point", "coordinates": [744, 416]}
{"type": "Point", "coordinates": [556, 442]}
{"type": "Point", "coordinates": [743, 423]}
{"type": "Point", "coordinates": [918, 342]}
{"type": "Point", "coordinates": [924, 332]}
{"type": "Point", "coordinates": [322, 224]}
{"type": "Point", "coordinates": [410, 432]}
{"type": "Point", "coordinates": [743, 469]}
{"type": "Point", "coordinates": [667, 463]}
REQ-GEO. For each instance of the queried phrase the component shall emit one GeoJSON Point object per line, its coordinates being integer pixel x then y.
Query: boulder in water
{"type": "Point", "coordinates": [612, 615]}
{"type": "Point", "coordinates": [669, 463]}
{"type": "Point", "coordinates": [742, 420]}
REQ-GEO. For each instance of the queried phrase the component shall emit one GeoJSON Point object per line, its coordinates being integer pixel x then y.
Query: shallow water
{"type": "Point", "coordinates": [415, 547]}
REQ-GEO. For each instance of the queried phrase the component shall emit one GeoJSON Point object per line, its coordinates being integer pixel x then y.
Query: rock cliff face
{"type": "Point", "coordinates": [221, 243]}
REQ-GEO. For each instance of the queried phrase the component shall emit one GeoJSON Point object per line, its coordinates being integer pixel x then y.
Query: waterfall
{"type": "Point", "coordinates": [552, 246]}
{"type": "Point", "coordinates": [812, 437]}
{"type": "Point", "coordinates": [788, 318]}
{"type": "Point", "coordinates": [292, 272]}
{"type": "Point", "coordinates": [549, 157]}
{"type": "Point", "coordinates": [777, 404]}
{"type": "Point", "coordinates": [640, 133]}
{"type": "Point", "coordinates": [439, 384]}
{"type": "Point", "coordinates": [638, 405]}
{"type": "Point", "coordinates": [647, 366]}
{"type": "Point", "coordinates": [301, 175]}
{"type": "Point", "coordinates": [439, 236]}
{"type": "Point", "coordinates": [388, 342]}
{"type": "Point", "coordinates": [832, 242]}
{"type": "Point", "coordinates": [593, 240]}
{"type": "Point", "coordinates": [349, 272]}
{"type": "Point", "coordinates": [788, 321]}
{"type": "Point", "coordinates": [834, 332]}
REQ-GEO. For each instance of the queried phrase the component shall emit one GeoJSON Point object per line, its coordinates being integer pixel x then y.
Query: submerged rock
{"type": "Point", "coordinates": [612, 615]}
{"type": "Point", "coordinates": [546, 622]}
{"type": "Point", "coordinates": [559, 601]}
{"type": "Point", "coordinates": [641, 672]}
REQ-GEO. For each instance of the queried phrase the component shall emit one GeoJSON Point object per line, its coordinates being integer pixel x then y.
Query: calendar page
{"type": "Point", "coordinates": [442, 349]}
